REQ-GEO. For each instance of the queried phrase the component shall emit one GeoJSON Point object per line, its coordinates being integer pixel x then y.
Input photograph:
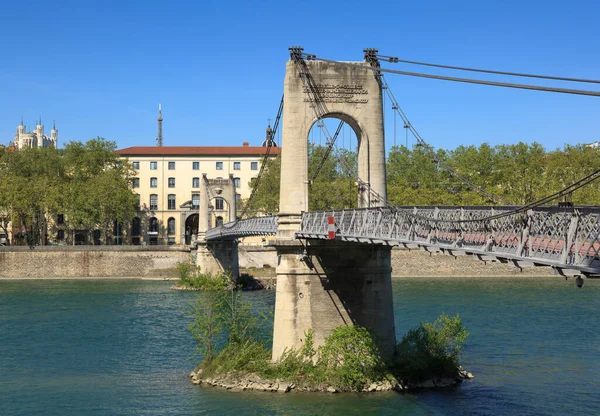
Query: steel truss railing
{"type": "Point", "coordinates": [256, 226]}
{"type": "Point", "coordinates": [567, 240]}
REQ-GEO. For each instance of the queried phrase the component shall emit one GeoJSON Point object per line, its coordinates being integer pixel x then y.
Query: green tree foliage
{"type": "Point", "coordinates": [351, 357]}
{"type": "Point", "coordinates": [430, 350]}
{"type": "Point", "coordinates": [333, 188]}
{"type": "Point", "coordinates": [87, 182]}
{"type": "Point", "coordinates": [219, 316]}
{"type": "Point", "coordinates": [520, 173]}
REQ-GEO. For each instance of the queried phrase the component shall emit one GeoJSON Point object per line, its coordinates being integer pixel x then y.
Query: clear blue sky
{"type": "Point", "coordinates": [101, 68]}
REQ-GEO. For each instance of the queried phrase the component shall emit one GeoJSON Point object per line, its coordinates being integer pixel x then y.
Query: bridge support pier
{"type": "Point", "coordinates": [325, 284]}
{"type": "Point", "coordinates": [218, 256]}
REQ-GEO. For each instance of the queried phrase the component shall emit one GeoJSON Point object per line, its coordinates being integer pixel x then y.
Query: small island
{"type": "Point", "coordinates": [235, 356]}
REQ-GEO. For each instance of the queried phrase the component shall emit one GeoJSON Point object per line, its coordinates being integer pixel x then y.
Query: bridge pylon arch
{"type": "Point", "coordinates": [350, 94]}
{"type": "Point", "coordinates": [325, 284]}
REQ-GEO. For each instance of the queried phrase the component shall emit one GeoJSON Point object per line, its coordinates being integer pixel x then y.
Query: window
{"type": "Point", "coordinates": [135, 182]}
{"type": "Point", "coordinates": [171, 201]}
{"type": "Point", "coordinates": [238, 198]}
{"type": "Point", "coordinates": [236, 165]}
{"type": "Point", "coordinates": [219, 221]}
{"type": "Point", "coordinates": [171, 165]}
{"type": "Point", "coordinates": [196, 165]}
{"type": "Point", "coordinates": [60, 235]}
{"type": "Point", "coordinates": [171, 226]}
{"type": "Point", "coordinates": [171, 182]}
{"type": "Point", "coordinates": [236, 182]}
{"type": "Point", "coordinates": [254, 165]}
{"type": "Point", "coordinates": [219, 165]}
{"type": "Point", "coordinates": [195, 201]}
{"type": "Point", "coordinates": [153, 201]}
{"type": "Point", "coordinates": [153, 165]}
{"type": "Point", "coordinates": [153, 183]}
{"type": "Point", "coordinates": [153, 225]}
{"type": "Point", "coordinates": [195, 182]}
{"type": "Point", "coordinates": [136, 165]}
{"type": "Point", "coordinates": [60, 220]}
{"type": "Point", "coordinates": [139, 199]}
{"type": "Point", "coordinates": [136, 226]}
{"type": "Point", "coordinates": [219, 204]}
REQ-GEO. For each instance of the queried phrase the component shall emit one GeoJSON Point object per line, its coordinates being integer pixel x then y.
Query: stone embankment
{"type": "Point", "coordinates": [260, 262]}
{"type": "Point", "coordinates": [238, 383]}
{"type": "Point", "coordinates": [53, 262]}
{"type": "Point", "coordinates": [405, 263]}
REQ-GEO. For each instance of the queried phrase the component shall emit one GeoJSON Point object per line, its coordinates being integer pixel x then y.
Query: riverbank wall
{"type": "Point", "coordinates": [56, 262]}
{"type": "Point", "coordinates": [161, 261]}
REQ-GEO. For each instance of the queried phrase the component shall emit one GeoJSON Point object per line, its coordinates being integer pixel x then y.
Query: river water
{"type": "Point", "coordinates": [122, 348]}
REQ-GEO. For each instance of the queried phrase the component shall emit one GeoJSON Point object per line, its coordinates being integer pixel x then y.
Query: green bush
{"type": "Point", "coordinates": [219, 316]}
{"type": "Point", "coordinates": [430, 350]}
{"type": "Point", "coordinates": [351, 356]}
{"type": "Point", "coordinates": [192, 277]}
{"type": "Point", "coordinates": [246, 357]}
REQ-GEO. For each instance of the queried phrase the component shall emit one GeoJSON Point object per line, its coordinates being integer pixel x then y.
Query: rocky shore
{"type": "Point", "coordinates": [236, 383]}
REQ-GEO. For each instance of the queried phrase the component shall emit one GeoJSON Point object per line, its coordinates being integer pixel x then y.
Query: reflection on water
{"type": "Point", "coordinates": [122, 347]}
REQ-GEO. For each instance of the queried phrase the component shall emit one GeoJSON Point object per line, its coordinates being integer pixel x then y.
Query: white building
{"type": "Point", "coordinates": [27, 139]}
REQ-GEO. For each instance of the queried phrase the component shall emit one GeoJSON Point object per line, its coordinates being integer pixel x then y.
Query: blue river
{"type": "Point", "coordinates": [122, 348]}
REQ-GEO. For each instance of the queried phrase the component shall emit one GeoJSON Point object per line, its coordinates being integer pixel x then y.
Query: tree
{"type": "Point", "coordinates": [88, 183]}
{"type": "Point", "coordinates": [333, 188]}
{"type": "Point", "coordinates": [97, 186]}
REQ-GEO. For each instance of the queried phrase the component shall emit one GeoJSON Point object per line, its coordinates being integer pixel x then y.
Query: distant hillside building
{"type": "Point", "coordinates": [28, 139]}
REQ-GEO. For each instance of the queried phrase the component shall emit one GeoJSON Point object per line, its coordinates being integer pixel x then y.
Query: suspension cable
{"type": "Point", "coordinates": [371, 58]}
{"type": "Point", "coordinates": [319, 107]}
{"type": "Point", "coordinates": [265, 158]}
{"type": "Point", "coordinates": [561, 193]}
{"type": "Point", "coordinates": [330, 144]}
{"type": "Point", "coordinates": [567, 190]}
{"type": "Point", "coordinates": [465, 80]}
{"type": "Point", "coordinates": [393, 59]}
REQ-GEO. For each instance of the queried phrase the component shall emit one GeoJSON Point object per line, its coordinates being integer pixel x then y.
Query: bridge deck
{"type": "Point", "coordinates": [568, 241]}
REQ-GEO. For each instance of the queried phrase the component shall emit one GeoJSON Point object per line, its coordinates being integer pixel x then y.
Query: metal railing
{"type": "Point", "coordinates": [243, 228]}
{"type": "Point", "coordinates": [567, 239]}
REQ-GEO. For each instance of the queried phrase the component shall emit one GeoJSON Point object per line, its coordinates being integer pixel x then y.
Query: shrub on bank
{"type": "Point", "coordinates": [191, 276]}
{"type": "Point", "coordinates": [432, 350]}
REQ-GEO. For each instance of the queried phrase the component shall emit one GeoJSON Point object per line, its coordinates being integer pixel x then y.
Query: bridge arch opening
{"type": "Point", "coordinates": [333, 171]}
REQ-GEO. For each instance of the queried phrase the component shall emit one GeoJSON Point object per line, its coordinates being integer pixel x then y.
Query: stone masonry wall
{"type": "Point", "coordinates": [76, 262]}
{"type": "Point", "coordinates": [413, 263]}
{"type": "Point", "coordinates": [136, 261]}
{"type": "Point", "coordinates": [416, 263]}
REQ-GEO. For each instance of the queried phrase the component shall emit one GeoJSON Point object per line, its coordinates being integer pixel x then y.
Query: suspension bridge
{"type": "Point", "coordinates": [334, 266]}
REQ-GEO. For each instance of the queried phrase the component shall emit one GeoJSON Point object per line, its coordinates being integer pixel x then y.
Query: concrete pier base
{"type": "Point", "coordinates": [326, 284]}
{"type": "Point", "coordinates": [219, 256]}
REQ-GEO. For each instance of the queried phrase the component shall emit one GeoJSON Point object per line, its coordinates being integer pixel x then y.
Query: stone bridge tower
{"type": "Point", "coordinates": [217, 256]}
{"type": "Point", "coordinates": [325, 284]}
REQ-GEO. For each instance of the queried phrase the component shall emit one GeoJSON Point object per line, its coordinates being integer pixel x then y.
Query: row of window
{"type": "Point", "coordinates": [219, 202]}
{"type": "Point", "coordinates": [196, 165]}
{"type": "Point", "coordinates": [171, 182]}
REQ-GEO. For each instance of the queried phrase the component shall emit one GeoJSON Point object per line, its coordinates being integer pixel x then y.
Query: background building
{"type": "Point", "coordinates": [169, 183]}
{"type": "Point", "coordinates": [24, 139]}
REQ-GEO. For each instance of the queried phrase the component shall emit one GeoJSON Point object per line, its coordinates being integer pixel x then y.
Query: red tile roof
{"type": "Point", "coordinates": [196, 150]}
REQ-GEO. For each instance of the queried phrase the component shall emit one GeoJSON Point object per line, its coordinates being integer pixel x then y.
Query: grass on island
{"type": "Point", "coordinates": [225, 330]}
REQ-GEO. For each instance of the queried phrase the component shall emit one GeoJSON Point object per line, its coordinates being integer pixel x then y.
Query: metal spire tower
{"type": "Point", "coordinates": [159, 139]}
